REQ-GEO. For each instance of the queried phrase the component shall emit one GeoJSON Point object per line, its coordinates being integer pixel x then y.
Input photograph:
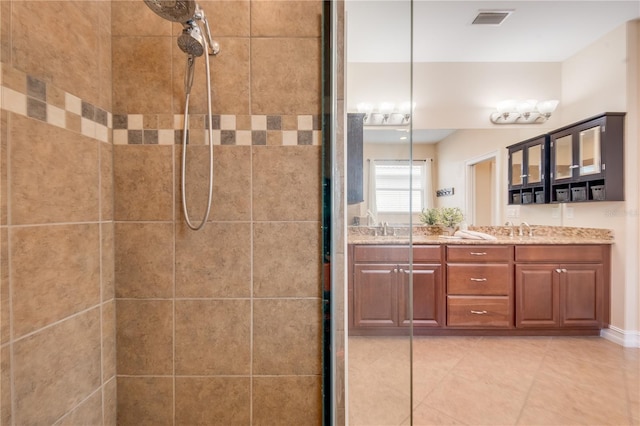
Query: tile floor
{"type": "Point", "coordinates": [493, 381]}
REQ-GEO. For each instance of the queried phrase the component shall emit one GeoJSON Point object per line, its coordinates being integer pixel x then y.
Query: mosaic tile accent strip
{"type": "Point", "coordinates": [29, 96]}
{"type": "Point", "coordinates": [36, 99]}
{"type": "Point", "coordinates": [225, 129]}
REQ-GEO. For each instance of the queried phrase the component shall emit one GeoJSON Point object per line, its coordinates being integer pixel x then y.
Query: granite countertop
{"type": "Point", "coordinates": [433, 235]}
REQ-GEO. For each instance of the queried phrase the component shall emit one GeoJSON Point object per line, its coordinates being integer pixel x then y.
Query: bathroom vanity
{"type": "Point", "coordinates": [509, 286]}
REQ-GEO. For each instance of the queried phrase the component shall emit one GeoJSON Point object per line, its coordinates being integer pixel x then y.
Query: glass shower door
{"type": "Point", "coordinates": [379, 278]}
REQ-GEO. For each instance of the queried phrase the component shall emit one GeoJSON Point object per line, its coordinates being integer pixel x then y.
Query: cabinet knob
{"type": "Point", "coordinates": [564, 270]}
{"type": "Point", "coordinates": [559, 271]}
{"type": "Point", "coordinates": [523, 176]}
{"type": "Point", "coordinates": [574, 166]}
{"type": "Point", "coordinates": [479, 312]}
{"type": "Point", "coordinates": [478, 280]}
{"type": "Point", "coordinates": [395, 270]}
{"type": "Point", "coordinates": [477, 253]}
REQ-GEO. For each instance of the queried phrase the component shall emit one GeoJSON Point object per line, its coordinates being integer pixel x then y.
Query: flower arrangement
{"type": "Point", "coordinates": [448, 217]}
{"type": "Point", "coordinates": [429, 216]}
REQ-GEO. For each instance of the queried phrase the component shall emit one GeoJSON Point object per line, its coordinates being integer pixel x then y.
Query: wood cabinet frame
{"type": "Point", "coordinates": [551, 289]}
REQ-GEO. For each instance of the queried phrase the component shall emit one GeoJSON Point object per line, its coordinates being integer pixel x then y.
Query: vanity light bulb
{"type": "Point", "coordinates": [527, 106]}
{"type": "Point", "coordinates": [407, 107]}
{"type": "Point", "coordinates": [507, 106]}
{"type": "Point", "coordinates": [364, 107]}
{"type": "Point", "coordinates": [547, 107]}
{"type": "Point", "coordinates": [386, 108]}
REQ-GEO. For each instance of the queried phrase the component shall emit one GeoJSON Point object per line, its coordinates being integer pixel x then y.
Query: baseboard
{"type": "Point", "coordinates": [628, 339]}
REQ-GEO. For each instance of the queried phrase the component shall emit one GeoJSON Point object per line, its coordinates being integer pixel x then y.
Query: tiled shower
{"type": "Point", "coordinates": [112, 310]}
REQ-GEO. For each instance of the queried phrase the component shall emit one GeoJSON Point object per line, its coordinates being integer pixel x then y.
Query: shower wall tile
{"type": "Point", "coordinates": [286, 336]}
{"type": "Point", "coordinates": [230, 79]}
{"type": "Point", "coordinates": [144, 337]}
{"type": "Point", "coordinates": [144, 260]}
{"type": "Point", "coordinates": [4, 142]}
{"type": "Point", "coordinates": [142, 68]}
{"type": "Point", "coordinates": [127, 15]}
{"type": "Point", "coordinates": [215, 261]}
{"type": "Point", "coordinates": [231, 182]}
{"type": "Point", "coordinates": [110, 403]}
{"type": "Point", "coordinates": [106, 181]}
{"type": "Point", "coordinates": [291, 400]}
{"type": "Point", "coordinates": [5, 32]}
{"type": "Point", "coordinates": [286, 183]}
{"type": "Point", "coordinates": [89, 412]}
{"type": "Point", "coordinates": [5, 317]}
{"type": "Point", "coordinates": [55, 272]}
{"type": "Point", "coordinates": [56, 368]}
{"type": "Point", "coordinates": [227, 18]}
{"type": "Point", "coordinates": [108, 340]}
{"type": "Point", "coordinates": [213, 337]}
{"type": "Point", "coordinates": [145, 401]}
{"type": "Point", "coordinates": [108, 262]}
{"type": "Point", "coordinates": [105, 74]}
{"type": "Point", "coordinates": [285, 75]}
{"type": "Point", "coordinates": [286, 18]}
{"type": "Point", "coordinates": [63, 50]}
{"type": "Point", "coordinates": [40, 193]}
{"type": "Point", "coordinates": [232, 398]}
{"type": "Point", "coordinates": [285, 259]}
{"type": "Point", "coordinates": [13, 78]}
{"type": "Point", "coordinates": [5, 385]}
{"type": "Point", "coordinates": [143, 182]}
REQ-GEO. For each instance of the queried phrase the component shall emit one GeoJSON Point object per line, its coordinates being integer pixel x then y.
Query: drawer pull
{"type": "Point", "coordinates": [479, 312]}
{"type": "Point", "coordinates": [478, 253]}
{"type": "Point", "coordinates": [478, 280]}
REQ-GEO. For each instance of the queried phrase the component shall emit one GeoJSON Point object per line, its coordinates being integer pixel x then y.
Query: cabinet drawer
{"type": "Point", "coordinates": [390, 253]}
{"type": "Point", "coordinates": [560, 253]}
{"type": "Point", "coordinates": [465, 311]}
{"type": "Point", "coordinates": [473, 253]}
{"type": "Point", "coordinates": [479, 279]}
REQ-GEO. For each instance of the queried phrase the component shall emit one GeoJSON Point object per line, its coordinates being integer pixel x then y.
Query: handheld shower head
{"type": "Point", "coordinates": [191, 41]}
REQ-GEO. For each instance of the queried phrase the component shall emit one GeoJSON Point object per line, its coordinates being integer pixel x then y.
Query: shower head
{"type": "Point", "coordinates": [191, 41]}
{"type": "Point", "coordinates": [173, 10]}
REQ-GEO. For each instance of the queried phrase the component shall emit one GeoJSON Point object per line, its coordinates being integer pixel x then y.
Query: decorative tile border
{"type": "Point", "coordinates": [29, 96]}
{"type": "Point", "coordinates": [166, 129]}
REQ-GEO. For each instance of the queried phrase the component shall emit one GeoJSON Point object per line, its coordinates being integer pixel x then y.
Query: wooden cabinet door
{"type": "Point", "coordinates": [375, 295]}
{"type": "Point", "coordinates": [428, 299]}
{"type": "Point", "coordinates": [537, 296]}
{"type": "Point", "coordinates": [580, 295]}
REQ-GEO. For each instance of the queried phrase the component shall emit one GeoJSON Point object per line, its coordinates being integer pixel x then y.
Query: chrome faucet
{"type": "Point", "coordinates": [509, 223]}
{"type": "Point", "coordinates": [530, 233]}
{"type": "Point", "coordinates": [385, 228]}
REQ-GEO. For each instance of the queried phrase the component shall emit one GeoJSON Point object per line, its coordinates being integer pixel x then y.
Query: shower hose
{"type": "Point", "coordinates": [185, 140]}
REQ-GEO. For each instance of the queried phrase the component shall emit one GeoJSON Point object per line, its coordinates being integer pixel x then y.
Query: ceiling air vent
{"type": "Point", "coordinates": [491, 18]}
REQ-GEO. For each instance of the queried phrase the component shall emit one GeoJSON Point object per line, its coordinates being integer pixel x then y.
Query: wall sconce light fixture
{"type": "Point", "coordinates": [526, 112]}
{"type": "Point", "coordinates": [386, 113]}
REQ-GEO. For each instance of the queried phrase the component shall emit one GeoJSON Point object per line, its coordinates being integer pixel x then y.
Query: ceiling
{"type": "Point", "coordinates": [379, 31]}
{"type": "Point", "coordinates": [535, 31]}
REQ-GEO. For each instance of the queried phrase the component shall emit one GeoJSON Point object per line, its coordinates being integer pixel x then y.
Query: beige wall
{"type": "Point", "coordinates": [56, 228]}
{"type": "Point", "coordinates": [220, 326]}
{"type": "Point", "coordinates": [453, 95]}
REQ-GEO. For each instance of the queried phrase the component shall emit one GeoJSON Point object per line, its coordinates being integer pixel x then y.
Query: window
{"type": "Point", "coordinates": [397, 183]}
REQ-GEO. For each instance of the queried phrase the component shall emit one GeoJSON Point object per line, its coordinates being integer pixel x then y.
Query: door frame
{"type": "Point", "coordinates": [470, 192]}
